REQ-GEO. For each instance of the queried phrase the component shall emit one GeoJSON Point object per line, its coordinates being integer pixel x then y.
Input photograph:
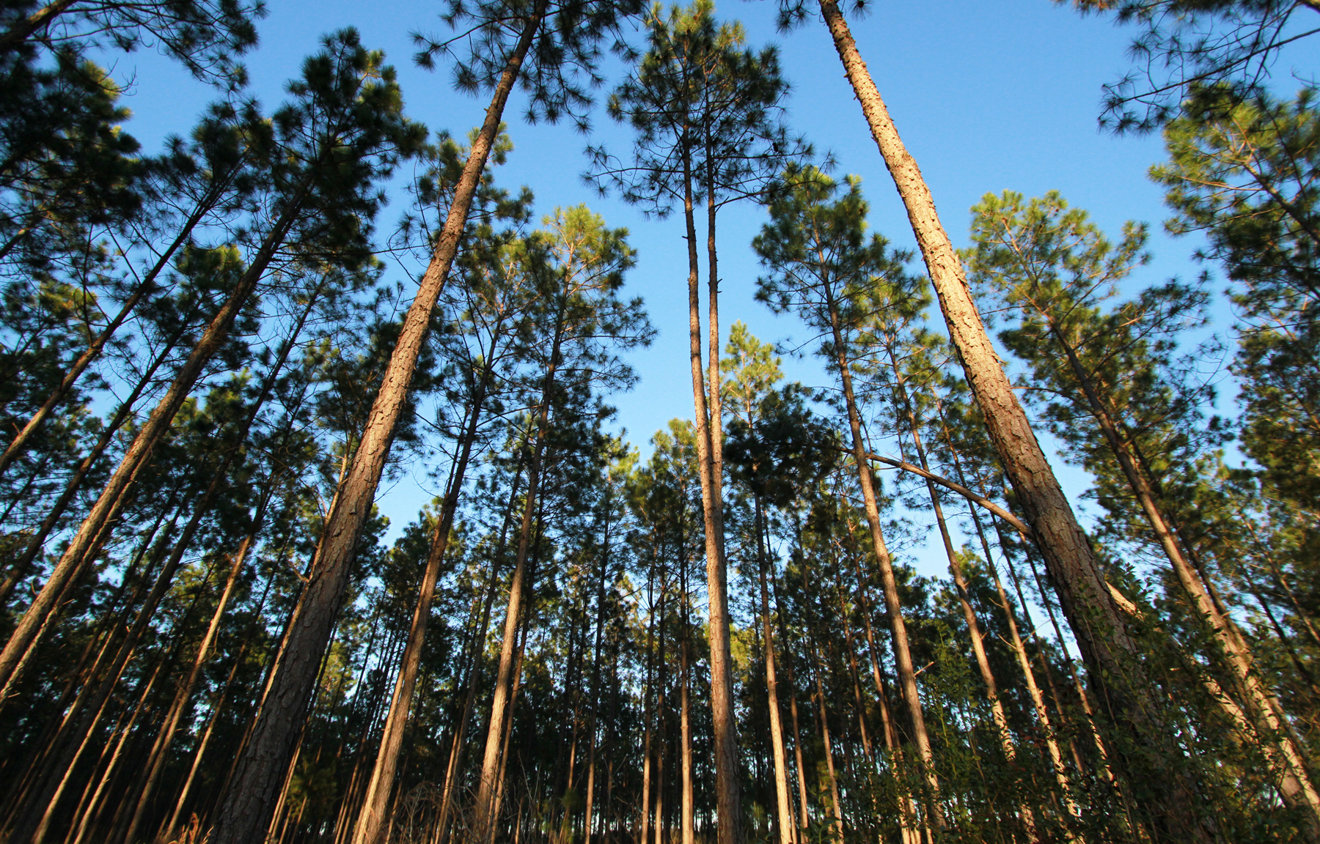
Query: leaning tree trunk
{"type": "Point", "coordinates": [144, 287]}
{"type": "Point", "coordinates": [250, 799]}
{"type": "Point", "coordinates": [84, 545]}
{"type": "Point", "coordinates": [1273, 732]}
{"type": "Point", "coordinates": [907, 675]}
{"type": "Point", "coordinates": [369, 829]}
{"type": "Point", "coordinates": [1174, 801]}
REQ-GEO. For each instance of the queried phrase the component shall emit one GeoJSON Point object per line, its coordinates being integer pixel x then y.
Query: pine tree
{"type": "Point", "coordinates": [1105, 643]}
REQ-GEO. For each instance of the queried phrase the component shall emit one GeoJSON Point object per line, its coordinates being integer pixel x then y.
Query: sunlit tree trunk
{"type": "Point", "coordinates": [803, 816]}
{"type": "Point", "coordinates": [783, 808]}
{"type": "Point", "coordinates": [248, 804]}
{"type": "Point", "coordinates": [907, 675]}
{"type": "Point", "coordinates": [368, 829]}
{"type": "Point", "coordinates": [1175, 801]}
{"type": "Point", "coordinates": [710, 461]}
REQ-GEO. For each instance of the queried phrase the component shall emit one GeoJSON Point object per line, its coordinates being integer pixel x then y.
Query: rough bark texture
{"type": "Point", "coordinates": [370, 823]}
{"type": "Point", "coordinates": [250, 801]}
{"type": "Point", "coordinates": [1266, 715]}
{"type": "Point", "coordinates": [1172, 802]}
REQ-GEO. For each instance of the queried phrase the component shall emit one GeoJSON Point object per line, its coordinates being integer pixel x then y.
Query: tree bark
{"type": "Point", "coordinates": [249, 802]}
{"type": "Point", "coordinates": [368, 829]}
{"type": "Point", "coordinates": [709, 451]}
{"type": "Point", "coordinates": [1175, 802]}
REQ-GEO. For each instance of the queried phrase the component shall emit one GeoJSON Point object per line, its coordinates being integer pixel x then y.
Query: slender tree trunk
{"type": "Point", "coordinates": [248, 804]}
{"type": "Point", "coordinates": [145, 287]}
{"type": "Point", "coordinates": [505, 679]}
{"type": "Point", "coordinates": [648, 714]}
{"type": "Point", "coordinates": [803, 817]}
{"type": "Point", "coordinates": [783, 807]}
{"type": "Point", "coordinates": [123, 414]}
{"type": "Point", "coordinates": [836, 808]}
{"type": "Point", "coordinates": [502, 775]}
{"type": "Point", "coordinates": [660, 828]}
{"type": "Point", "coordinates": [709, 457]}
{"type": "Point", "coordinates": [85, 544]}
{"type": "Point", "coordinates": [597, 693]}
{"type": "Point", "coordinates": [687, 803]}
{"type": "Point", "coordinates": [907, 675]}
{"type": "Point", "coordinates": [1175, 801]}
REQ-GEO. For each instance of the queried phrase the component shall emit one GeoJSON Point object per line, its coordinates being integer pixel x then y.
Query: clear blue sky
{"type": "Point", "coordinates": [987, 97]}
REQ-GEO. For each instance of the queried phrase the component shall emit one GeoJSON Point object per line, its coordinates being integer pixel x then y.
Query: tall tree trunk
{"type": "Point", "coordinates": [803, 816]}
{"type": "Point", "coordinates": [368, 828]}
{"type": "Point", "coordinates": [687, 803]}
{"type": "Point", "coordinates": [1174, 800]}
{"type": "Point", "coordinates": [648, 713]}
{"type": "Point", "coordinates": [836, 808]}
{"type": "Point", "coordinates": [597, 693]}
{"type": "Point", "coordinates": [907, 675]}
{"type": "Point", "coordinates": [783, 808]}
{"type": "Point", "coordinates": [501, 777]}
{"type": "Point", "coordinates": [505, 678]}
{"type": "Point", "coordinates": [709, 458]}
{"type": "Point", "coordinates": [961, 588]}
{"type": "Point", "coordinates": [248, 804]}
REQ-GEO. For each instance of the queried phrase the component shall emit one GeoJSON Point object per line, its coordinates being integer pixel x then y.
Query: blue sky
{"type": "Point", "coordinates": [987, 97]}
